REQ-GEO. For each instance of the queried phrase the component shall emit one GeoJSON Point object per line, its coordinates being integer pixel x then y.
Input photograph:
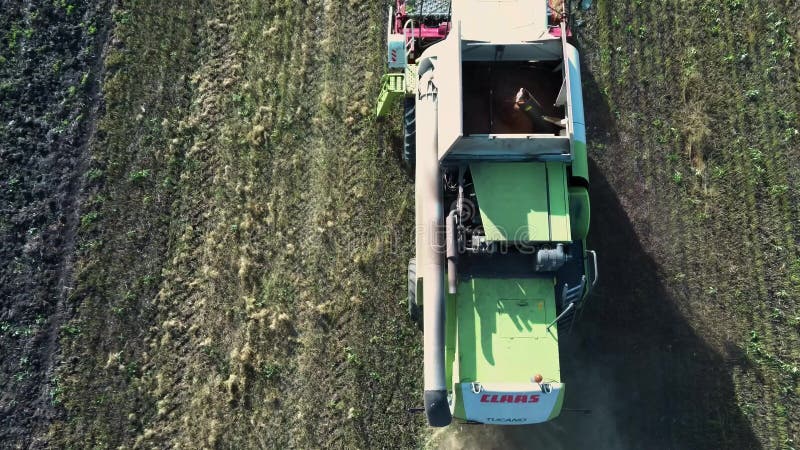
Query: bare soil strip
{"type": "Point", "coordinates": [50, 77]}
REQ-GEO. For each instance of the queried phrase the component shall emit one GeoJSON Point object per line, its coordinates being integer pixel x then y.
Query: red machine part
{"type": "Point", "coordinates": [425, 33]}
{"type": "Point", "coordinates": [428, 33]}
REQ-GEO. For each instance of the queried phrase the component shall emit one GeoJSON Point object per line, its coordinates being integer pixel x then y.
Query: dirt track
{"type": "Point", "coordinates": [227, 235]}
{"type": "Point", "coordinates": [48, 90]}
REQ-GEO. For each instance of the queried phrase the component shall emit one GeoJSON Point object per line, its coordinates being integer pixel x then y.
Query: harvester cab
{"type": "Point", "coordinates": [494, 131]}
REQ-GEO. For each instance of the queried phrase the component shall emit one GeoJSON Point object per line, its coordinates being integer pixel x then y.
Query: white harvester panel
{"type": "Point", "coordinates": [500, 404]}
{"type": "Point", "coordinates": [501, 21]}
{"type": "Point", "coordinates": [497, 33]}
{"type": "Point", "coordinates": [449, 82]}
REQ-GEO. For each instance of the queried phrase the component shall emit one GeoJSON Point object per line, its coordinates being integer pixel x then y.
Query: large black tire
{"type": "Point", "coordinates": [409, 132]}
{"type": "Point", "coordinates": [414, 311]}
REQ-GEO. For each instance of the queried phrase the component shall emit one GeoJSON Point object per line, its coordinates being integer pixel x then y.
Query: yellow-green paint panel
{"type": "Point", "coordinates": [559, 403]}
{"type": "Point", "coordinates": [580, 162]}
{"type": "Point", "coordinates": [501, 330]}
{"type": "Point", "coordinates": [579, 212]}
{"type": "Point", "coordinates": [559, 202]}
{"type": "Point", "coordinates": [512, 198]}
{"type": "Point", "coordinates": [449, 338]}
{"type": "Point", "coordinates": [523, 201]}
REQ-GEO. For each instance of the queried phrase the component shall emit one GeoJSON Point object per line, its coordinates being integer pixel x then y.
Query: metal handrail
{"type": "Point", "coordinates": [563, 313]}
{"type": "Point", "coordinates": [571, 294]}
{"type": "Point", "coordinates": [595, 271]}
{"type": "Point", "coordinates": [410, 43]}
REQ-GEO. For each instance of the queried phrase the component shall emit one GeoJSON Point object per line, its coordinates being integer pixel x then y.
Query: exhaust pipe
{"type": "Point", "coordinates": [428, 185]}
{"type": "Point", "coordinates": [452, 252]}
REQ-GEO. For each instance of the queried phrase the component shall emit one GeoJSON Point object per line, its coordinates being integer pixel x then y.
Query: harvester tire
{"type": "Point", "coordinates": [409, 132]}
{"type": "Point", "coordinates": [414, 311]}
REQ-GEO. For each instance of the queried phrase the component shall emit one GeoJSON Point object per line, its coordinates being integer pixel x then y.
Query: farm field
{"type": "Point", "coordinates": [204, 231]}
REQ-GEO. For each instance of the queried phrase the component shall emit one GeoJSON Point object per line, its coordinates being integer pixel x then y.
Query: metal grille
{"type": "Point", "coordinates": [428, 8]}
{"type": "Point", "coordinates": [411, 79]}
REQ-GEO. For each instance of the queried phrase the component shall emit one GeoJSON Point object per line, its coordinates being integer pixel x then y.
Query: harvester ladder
{"type": "Point", "coordinates": [570, 297]}
{"type": "Point", "coordinates": [393, 87]}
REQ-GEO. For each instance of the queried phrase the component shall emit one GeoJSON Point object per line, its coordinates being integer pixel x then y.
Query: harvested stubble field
{"type": "Point", "coordinates": [204, 231]}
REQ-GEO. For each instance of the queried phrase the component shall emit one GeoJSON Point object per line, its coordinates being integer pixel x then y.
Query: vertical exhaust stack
{"type": "Point", "coordinates": [452, 252]}
{"type": "Point", "coordinates": [428, 185]}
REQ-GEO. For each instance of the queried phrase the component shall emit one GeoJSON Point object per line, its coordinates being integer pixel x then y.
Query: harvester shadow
{"type": "Point", "coordinates": [633, 360]}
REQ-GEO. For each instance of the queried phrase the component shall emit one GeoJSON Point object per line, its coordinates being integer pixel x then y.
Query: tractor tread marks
{"type": "Point", "coordinates": [409, 131]}
{"type": "Point", "coordinates": [414, 309]}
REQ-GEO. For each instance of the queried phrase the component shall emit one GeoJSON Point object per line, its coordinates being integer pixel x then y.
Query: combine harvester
{"type": "Point", "coordinates": [494, 130]}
